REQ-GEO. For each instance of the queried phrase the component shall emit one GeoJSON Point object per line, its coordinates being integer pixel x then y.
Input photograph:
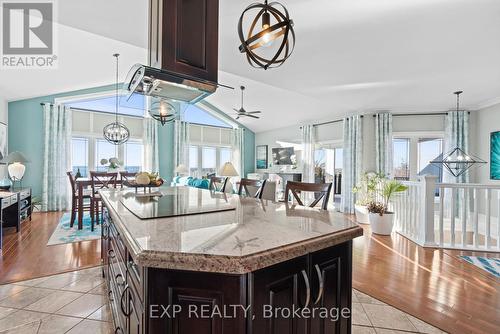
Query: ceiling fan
{"type": "Point", "coordinates": [242, 112]}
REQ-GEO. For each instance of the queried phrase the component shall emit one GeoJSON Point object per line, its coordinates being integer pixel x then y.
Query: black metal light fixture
{"type": "Point", "coordinates": [162, 111]}
{"type": "Point", "coordinates": [116, 133]}
{"type": "Point", "coordinates": [457, 161]}
{"type": "Point", "coordinates": [275, 25]}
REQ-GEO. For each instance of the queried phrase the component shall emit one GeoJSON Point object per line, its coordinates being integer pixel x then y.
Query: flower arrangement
{"type": "Point", "coordinates": [112, 163]}
{"type": "Point", "coordinates": [366, 189]}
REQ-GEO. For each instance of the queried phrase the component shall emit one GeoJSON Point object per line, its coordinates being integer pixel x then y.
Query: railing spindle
{"type": "Point", "coordinates": [464, 217]}
{"type": "Point", "coordinates": [488, 218]}
{"type": "Point", "coordinates": [453, 209]}
{"type": "Point", "coordinates": [476, 217]}
{"type": "Point", "coordinates": [441, 216]}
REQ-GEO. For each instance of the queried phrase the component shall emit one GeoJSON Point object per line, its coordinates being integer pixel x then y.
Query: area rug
{"type": "Point", "coordinates": [490, 265]}
{"type": "Point", "coordinates": [64, 234]}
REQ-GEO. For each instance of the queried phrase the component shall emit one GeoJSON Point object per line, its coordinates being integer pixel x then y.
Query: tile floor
{"type": "Point", "coordinates": [75, 302]}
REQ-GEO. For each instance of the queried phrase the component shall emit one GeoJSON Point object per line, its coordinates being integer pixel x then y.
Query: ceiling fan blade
{"type": "Point", "coordinates": [254, 112]}
{"type": "Point", "coordinates": [253, 116]}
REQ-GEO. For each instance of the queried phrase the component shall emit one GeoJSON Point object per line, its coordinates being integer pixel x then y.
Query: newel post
{"type": "Point", "coordinates": [428, 190]}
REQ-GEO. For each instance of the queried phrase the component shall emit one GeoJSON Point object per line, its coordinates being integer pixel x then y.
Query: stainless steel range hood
{"type": "Point", "coordinates": [168, 85]}
{"type": "Point", "coordinates": [183, 52]}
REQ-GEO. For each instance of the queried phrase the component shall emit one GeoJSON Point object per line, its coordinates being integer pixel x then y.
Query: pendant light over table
{"type": "Point", "coordinates": [116, 133]}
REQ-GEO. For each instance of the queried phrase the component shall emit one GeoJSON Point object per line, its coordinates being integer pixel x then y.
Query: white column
{"type": "Point", "coordinates": [428, 189]}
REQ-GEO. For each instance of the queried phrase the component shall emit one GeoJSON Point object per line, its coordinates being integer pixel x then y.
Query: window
{"type": "Point", "coordinates": [133, 156]}
{"type": "Point", "coordinates": [208, 160]}
{"type": "Point", "coordinates": [224, 156]}
{"type": "Point", "coordinates": [401, 158]}
{"type": "Point", "coordinates": [79, 159]}
{"type": "Point", "coordinates": [428, 150]}
{"type": "Point", "coordinates": [193, 160]}
{"type": "Point", "coordinates": [205, 160]}
{"type": "Point", "coordinates": [103, 150]}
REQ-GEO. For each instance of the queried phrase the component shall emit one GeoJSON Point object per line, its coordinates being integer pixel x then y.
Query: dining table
{"type": "Point", "coordinates": [83, 183]}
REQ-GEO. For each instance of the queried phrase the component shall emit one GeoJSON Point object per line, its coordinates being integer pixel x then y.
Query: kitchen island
{"type": "Point", "coordinates": [193, 261]}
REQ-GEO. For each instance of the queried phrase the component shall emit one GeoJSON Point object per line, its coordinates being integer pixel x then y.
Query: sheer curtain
{"type": "Point", "coordinates": [150, 137]}
{"type": "Point", "coordinates": [308, 142]}
{"type": "Point", "coordinates": [181, 143]}
{"type": "Point", "coordinates": [57, 125]}
{"type": "Point", "coordinates": [237, 143]}
{"type": "Point", "coordinates": [456, 134]}
{"type": "Point", "coordinates": [353, 160]}
{"type": "Point", "coordinates": [383, 143]}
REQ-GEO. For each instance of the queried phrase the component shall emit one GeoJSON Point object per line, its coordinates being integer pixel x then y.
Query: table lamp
{"type": "Point", "coordinates": [15, 162]}
{"type": "Point", "coordinates": [228, 170]}
{"type": "Point", "coordinates": [181, 169]}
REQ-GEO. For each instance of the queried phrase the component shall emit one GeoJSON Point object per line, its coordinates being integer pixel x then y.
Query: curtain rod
{"type": "Point", "coordinates": [331, 122]}
{"type": "Point", "coordinates": [422, 114]}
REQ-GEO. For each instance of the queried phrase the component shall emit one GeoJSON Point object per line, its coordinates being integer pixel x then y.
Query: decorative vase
{"type": "Point", "coordinates": [381, 224]}
{"type": "Point", "coordinates": [5, 184]}
{"type": "Point", "coordinates": [361, 214]}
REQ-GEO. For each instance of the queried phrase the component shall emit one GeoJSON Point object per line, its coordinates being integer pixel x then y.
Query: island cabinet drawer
{"type": "Point", "coordinates": [5, 202]}
{"type": "Point", "coordinates": [24, 193]}
{"type": "Point", "coordinates": [115, 236]}
{"type": "Point", "coordinates": [135, 276]}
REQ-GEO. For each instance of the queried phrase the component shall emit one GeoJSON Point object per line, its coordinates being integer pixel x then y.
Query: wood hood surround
{"type": "Point", "coordinates": [183, 37]}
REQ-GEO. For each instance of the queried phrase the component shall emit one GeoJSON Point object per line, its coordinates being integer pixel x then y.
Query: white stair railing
{"type": "Point", "coordinates": [463, 216]}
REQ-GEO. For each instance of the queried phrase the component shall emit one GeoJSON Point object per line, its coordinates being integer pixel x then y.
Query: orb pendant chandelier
{"type": "Point", "coordinates": [270, 39]}
{"type": "Point", "coordinates": [116, 133]}
{"type": "Point", "coordinates": [163, 112]}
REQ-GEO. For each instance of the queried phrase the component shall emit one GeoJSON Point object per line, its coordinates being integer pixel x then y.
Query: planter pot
{"type": "Point", "coordinates": [381, 224]}
{"type": "Point", "coordinates": [361, 214]}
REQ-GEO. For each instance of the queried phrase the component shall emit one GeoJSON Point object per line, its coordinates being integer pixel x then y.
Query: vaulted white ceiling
{"type": "Point", "coordinates": [350, 56]}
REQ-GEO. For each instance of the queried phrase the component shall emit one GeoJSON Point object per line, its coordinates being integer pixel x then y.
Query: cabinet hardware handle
{"type": "Point", "coordinates": [121, 302]}
{"type": "Point", "coordinates": [118, 330]}
{"type": "Point", "coordinates": [116, 278]}
{"type": "Point", "coordinates": [308, 288]}
{"type": "Point", "coordinates": [110, 295]}
{"type": "Point", "coordinates": [111, 253]}
{"type": "Point", "coordinates": [321, 284]}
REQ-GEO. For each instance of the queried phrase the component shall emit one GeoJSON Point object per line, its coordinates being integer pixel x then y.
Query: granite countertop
{"type": "Point", "coordinates": [254, 234]}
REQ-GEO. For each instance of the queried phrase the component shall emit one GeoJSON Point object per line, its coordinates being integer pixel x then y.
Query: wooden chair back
{"type": "Point", "coordinates": [102, 180]}
{"type": "Point", "coordinates": [245, 183]}
{"type": "Point", "coordinates": [217, 183]}
{"type": "Point", "coordinates": [72, 182]}
{"type": "Point", "coordinates": [321, 190]}
{"type": "Point", "coordinates": [126, 176]}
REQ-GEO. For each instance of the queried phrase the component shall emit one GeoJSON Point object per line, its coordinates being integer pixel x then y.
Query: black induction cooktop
{"type": "Point", "coordinates": [176, 201]}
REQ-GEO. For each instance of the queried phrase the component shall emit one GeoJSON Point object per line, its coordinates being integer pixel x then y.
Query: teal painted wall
{"type": "Point", "coordinates": [25, 131]}
{"type": "Point", "coordinates": [249, 147]}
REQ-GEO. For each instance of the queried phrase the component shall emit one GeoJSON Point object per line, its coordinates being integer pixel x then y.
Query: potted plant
{"type": "Point", "coordinates": [113, 164]}
{"type": "Point", "coordinates": [365, 193]}
{"type": "Point", "coordinates": [381, 219]}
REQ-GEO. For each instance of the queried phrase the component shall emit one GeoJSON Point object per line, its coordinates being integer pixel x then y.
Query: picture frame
{"type": "Point", "coordinates": [261, 158]}
{"type": "Point", "coordinates": [495, 155]}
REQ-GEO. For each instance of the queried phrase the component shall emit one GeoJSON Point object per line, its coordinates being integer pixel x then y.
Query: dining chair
{"type": "Point", "coordinates": [217, 183]}
{"type": "Point", "coordinates": [126, 176]}
{"type": "Point", "coordinates": [245, 183]}
{"type": "Point", "coordinates": [320, 190]}
{"type": "Point", "coordinates": [99, 181]}
{"type": "Point", "coordinates": [87, 195]}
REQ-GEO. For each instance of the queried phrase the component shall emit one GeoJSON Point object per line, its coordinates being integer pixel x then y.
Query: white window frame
{"type": "Point", "coordinates": [218, 163]}
{"type": "Point", "coordinates": [414, 137]}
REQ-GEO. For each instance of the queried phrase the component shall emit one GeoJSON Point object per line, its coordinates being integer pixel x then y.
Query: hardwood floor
{"type": "Point", "coordinates": [25, 255]}
{"type": "Point", "coordinates": [433, 285]}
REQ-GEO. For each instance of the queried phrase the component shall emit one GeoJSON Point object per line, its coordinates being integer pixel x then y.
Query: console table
{"type": "Point", "coordinates": [15, 208]}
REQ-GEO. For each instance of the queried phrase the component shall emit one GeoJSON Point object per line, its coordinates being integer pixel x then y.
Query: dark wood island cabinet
{"type": "Point", "coordinates": [227, 272]}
